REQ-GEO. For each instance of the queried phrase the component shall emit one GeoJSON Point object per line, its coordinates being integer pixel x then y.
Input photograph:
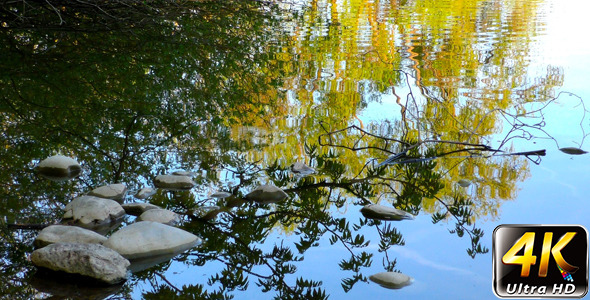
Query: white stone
{"type": "Point", "coordinates": [183, 173]}
{"type": "Point", "coordinates": [163, 216]}
{"type": "Point", "coordinates": [149, 239]}
{"type": "Point", "coordinates": [464, 182]}
{"type": "Point", "coordinates": [174, 182]}
{"type": "Point", "coordinates": [138, 208]}
{"type": "Point", "coordinates": [220, 195]}
{"type": "Point", "coordinates": [59, 167]}
{"type": "Point", "coordinates": [391, 280]}
{"type": "Point", "coordinates": [90, 211]}
{"type": "Point", "coordinates": [67, 234]}
{"type": "Point", "coordinates": [302, 169]}
{"type": "Point", "coordinates": [145, 193]}
{"type": "Point", "coordinates": [380, 212]}
{"type": "Point", "coordinates": [267, 194]}
{"type": "Point", "coordinates": [115, 192]}
{"type": "Point", "coordinates": [91, 260]}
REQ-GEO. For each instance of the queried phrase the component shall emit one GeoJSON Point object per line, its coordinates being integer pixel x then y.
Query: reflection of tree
{"type": "Point", "coordinates": [130, 90]}
{"type": "Point", "coordinates": [133, 99]}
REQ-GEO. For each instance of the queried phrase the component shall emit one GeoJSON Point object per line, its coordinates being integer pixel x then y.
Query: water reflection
{"type": "Point", "coordinates": [225, 92]}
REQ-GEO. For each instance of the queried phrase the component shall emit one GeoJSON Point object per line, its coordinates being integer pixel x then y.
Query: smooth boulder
{"type": "Point", "coordinates": [149, 239]}
{"type": "Point", "coordinates": [115, 192]}
{"type": "Point", "coordinates": [67, 234]}
{"type": "Point", "coordinates": [391, 280]}
{"type": "Point", "coordinates": [90, 260]}
{"type": "Point", "coordinates": [138, 208]}
{"type": "Point", "coordinates": [380, 212]}
{"type": "Point", "coordinates": [174, 182]}
{"type": "Point", "coordinates": [92, 212]}
{"type": "Point", "coordinates": [267, 194]}
{"type": "Point", "coordinates": [163, 216]}
{"type": "Point", "coordinates": [59, 168]}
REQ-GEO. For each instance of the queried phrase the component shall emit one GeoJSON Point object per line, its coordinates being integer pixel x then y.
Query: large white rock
{"type": "Point", "coordinates": [174, 182]}
{"type": "Point", "coordinates": [115, 192]}
{"type": "Point", "coordinates": [67, 234]}
{"type": "Point", "coordinates": [145, 193]}
{"type": "Point", "coordinates": [163, 216]}
{"type": "Point", "coordinates": [58, 168]}
{"type": "Point", "coordinates": [138, 208]}
{"type": "Point", "coordinates": [91, 260]}
{"type": "Point", "coordinates": [380, 212]}
{"type": "Point", "coordinates": [391, 280]}
{"type": "Point", "coordinates": [91, 212]}
{"type": "Point", "coordinates": [267, 194]}
{"type": "Point", "coordinates": [148, 239]}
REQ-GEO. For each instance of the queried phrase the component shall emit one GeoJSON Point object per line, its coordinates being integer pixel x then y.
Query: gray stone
{"type": "Point", "coordinates": [67, 234]}
{"type": "Point", "coordinates": [115, 192]}
{"type": "Point", "coordinates": [220, 195]}
{"type": "Point", "coordinates": [267, 194]}
{"type": "Point", "coordinates": [163, 216]}
{"type": "Point", "coordinates": [145, 193]}
{"type": "Point", "coordinates": [183, 173]}
{"type": "Point", "coordinates": [174, 182]}
{"type": "Point", "coordinates": [464, 182]}
{"type": "Point", "coordinates": [91, 212]}
{"type": "Point", "coordinates": [380, 212]}
{"type": "Point", "coordinates": [138, 208]}
{"type": "Point", "coordinates": [59, 168]}
{"type": "Point", "coordinates": [150, 239]}
{"type": "Point", "coordinates": [391, 280]}
{"type": "Point", "coordinates": [301, 169]}
{"type": "Point", "coordinates": [91, 260]}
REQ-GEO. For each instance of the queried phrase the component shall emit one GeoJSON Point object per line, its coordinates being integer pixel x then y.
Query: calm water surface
{"type": "Point", "coordinates": [239, 98]}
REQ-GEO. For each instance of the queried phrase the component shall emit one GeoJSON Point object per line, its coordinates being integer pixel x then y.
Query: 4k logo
{"type": "Point", "coordinates": [540, 261]}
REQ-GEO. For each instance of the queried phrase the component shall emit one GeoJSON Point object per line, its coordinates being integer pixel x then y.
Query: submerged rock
{"type": "Point", "coordinates": [380, 212]}
{"type": "Point", "coordinates": [138, 208]}
{"type": "Point", "coordinates": [163, 216]}
{"type": "Point", "coordinates": [391, 280]}
{"type": "Point", "coordinates": [141, 264]}
{"type": "Point", "coordinates": [206, 212]}
{"type": "Point", "coordinates": [115, 192]}
{"type": "Point", "coordinates": [145, 193]}
{"type": "Point", "coordinates": [267, 194]}
{"type": "Point", "coordinates": [90, 260]}
{"type": "Point", "coordinates": [92, 212]}
{"type": "Point", "coordinates": [59, 168]}
{"type": "Point", "coordinates": [174, 182]}
{"type": "Point", "coordinates": [67, 234]}
{"type": "Point", "coordinates": [67, 287]}
{"type": "Point", "coordinates": [149, 239]}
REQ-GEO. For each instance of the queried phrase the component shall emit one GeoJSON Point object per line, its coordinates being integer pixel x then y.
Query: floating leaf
{"type": "Point", "coordinates": [572, 151]}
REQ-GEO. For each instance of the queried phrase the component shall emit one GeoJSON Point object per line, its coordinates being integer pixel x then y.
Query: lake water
{"type": "Point", "coordinates": [236, 92]}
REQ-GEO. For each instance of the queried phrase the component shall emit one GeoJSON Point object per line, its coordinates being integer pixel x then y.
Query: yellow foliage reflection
{"type": "Point", "coordinates": [467, 62]}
